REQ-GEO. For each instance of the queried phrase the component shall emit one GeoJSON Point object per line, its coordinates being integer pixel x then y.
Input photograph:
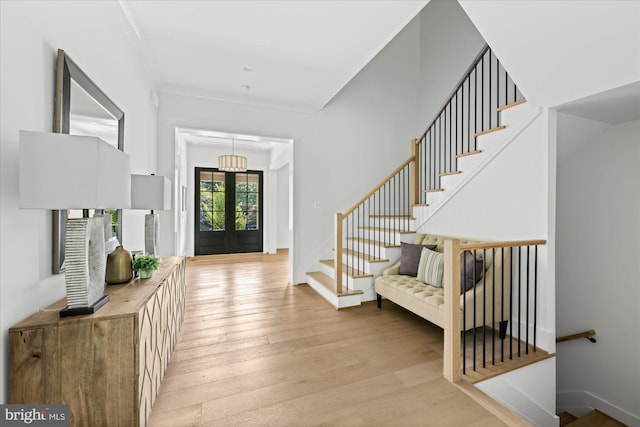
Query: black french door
{"type": "Point", "coordinates": [228, 211]}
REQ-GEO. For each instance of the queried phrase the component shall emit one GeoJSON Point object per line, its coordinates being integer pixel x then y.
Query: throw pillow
{"type": "Point", "coordinates": [410, 258]}
{"type": "Point", "coordinates": [431, 268]}
{"type": "Point", "coordinates": [471, 270]}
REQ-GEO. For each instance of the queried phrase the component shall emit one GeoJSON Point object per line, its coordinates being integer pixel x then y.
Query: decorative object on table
{"type": "Point", "coordinates": [232, 162]}
{"type": "Point", "coordinates": [60, 171]}
{"type": "Point", "coordinates": [152, 192]}
{"type": "Point", "coordinates": [119, 266]}
{"type": "Point", "coordinates": [145, 265]}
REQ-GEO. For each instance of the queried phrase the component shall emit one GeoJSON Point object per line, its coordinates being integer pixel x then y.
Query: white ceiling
{"type": "Point", "coordinates": [295, 54]}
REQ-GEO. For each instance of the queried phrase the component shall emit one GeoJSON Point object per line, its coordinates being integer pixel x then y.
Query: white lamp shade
{"type": "Point", "coordinates": [60, 171]}
{"type": "Point", "coordinates": [150, 192]}
{"type": "Point", "coordinates": [232, 163]}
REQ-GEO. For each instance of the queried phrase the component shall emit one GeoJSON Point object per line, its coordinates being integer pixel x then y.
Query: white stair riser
{"type": "Point", "coordinates": [390, 236]}
{"type": "Point", "coordinates": [360, 282]}
{"type": "Point", "coordinates": [363, 265]}
{"type": "Point", "coordinates": [434, 198]}
{"type": "Point", "coordinates": [406, 224]}
{"type": "Point", "coordinates": [378, 251]}
{"type": "Point", "coordinates": [338, 302]}
{"type": "Point", "coordinates": [451, 181]}
{"type": "Point", "coordinates": [469, 163]}
{"type": "Point", "coordinates": [515, 115]}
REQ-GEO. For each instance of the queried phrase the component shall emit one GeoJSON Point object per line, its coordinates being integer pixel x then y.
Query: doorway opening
{"type": "Point", "coordinates": [228, 211]}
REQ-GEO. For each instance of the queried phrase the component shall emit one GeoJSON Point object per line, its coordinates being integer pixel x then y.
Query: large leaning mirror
{"type": "Point", "coordinates": [82, 108]}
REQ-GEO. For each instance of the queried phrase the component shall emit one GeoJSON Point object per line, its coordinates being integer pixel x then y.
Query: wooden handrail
{"type": "Point", "coordinates": [379, 186]}
{"type": "Point", "coordinates": [586, 334]}
{"type": "Point", "coordinates": [456, 87]}
{"type": "Point", "coordinates": [496, 245]}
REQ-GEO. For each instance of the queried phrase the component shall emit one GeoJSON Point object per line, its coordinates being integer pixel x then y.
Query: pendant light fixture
{"type": "Point", "coordinates": [232, 162]}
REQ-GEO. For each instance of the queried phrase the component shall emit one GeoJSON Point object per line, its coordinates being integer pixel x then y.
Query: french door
{"type": "Point", "coordinates": [228, 212]}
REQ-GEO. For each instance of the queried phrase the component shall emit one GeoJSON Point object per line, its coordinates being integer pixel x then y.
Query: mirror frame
{"type": "Point", "coordinates": [66, 72]}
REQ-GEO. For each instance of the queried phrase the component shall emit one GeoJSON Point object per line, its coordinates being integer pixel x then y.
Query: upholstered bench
{"type": "Point", "coordinates": [427, 301]}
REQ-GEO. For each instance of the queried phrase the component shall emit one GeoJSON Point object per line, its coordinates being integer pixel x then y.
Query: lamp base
{"type": "Point", "coordinates": [66, 312]}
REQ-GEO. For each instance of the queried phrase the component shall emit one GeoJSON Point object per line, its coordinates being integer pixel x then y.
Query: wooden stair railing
{"type": "Point", "coordinates": [471, 110]}
{"type": "Point", "coordinates": [348, 224]}
{"type": "Point", "coordinates": [521, 281]}
{"type": "Point", "coordinates": [586, 334]}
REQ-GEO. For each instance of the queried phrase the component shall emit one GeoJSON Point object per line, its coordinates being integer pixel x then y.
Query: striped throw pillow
{"type": "Point", "coordinates": [431, 268]}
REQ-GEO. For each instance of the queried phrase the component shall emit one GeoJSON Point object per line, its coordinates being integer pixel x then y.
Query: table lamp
{"type": "Point", "coordinates": [151, 192]}
{"type": "Point", "coordinates": [61, 171]}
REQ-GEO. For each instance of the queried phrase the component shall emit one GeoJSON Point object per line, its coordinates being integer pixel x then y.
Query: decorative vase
{"type": "Point", "coordinates": [146, 274]}
{"type": "Point", "coordinates": [119, 267]}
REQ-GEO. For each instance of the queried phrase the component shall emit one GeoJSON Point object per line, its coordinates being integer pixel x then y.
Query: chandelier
{"type": "Point", "coordinates": [232, 162]}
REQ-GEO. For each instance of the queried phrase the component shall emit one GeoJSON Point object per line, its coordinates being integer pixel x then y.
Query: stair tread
{"type": "Point", "coordinates": [351, 271]}
{"type": "Point", "coordinates": [330, 284]}
{"type": "Point", "coordinates": [388, 229]}
{"type": "Point", "coordinates": [596, 418]}
{"type": "Point", "coordinates": [433, 190]}
{"type": "Point", "coordinates": [484, 132]}
{"type": "Point", "coordinates": [366, 257]}
{"type": "Point", "coordinates": [392, 216]}
{"type": "Point", "coordinates": [513, 104]}
{"type": "Point", "coordinates": [373, 242]}
{"type": "Point", "coordinates": [450, 173]}
{"type": "Point", "coordinates": [468, 153]}
{"type": "Point", "coordinates": [566, 418]}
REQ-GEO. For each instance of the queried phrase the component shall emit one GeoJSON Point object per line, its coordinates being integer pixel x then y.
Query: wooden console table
{"type": "Point", "coordinates": [108, 365]}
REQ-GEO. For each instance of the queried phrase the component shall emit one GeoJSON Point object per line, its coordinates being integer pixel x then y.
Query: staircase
{"type": "Point", "coordinates": [363, 259]}
{"type": "Point", "coordinates": [594, 418]}
{"type": "Point", "coordinates": [483, 114]}
{"type": "Point", "coordinates": [375, 245]}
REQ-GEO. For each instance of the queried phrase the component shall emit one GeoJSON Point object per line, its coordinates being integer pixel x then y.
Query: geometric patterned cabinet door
{"type": "Point", "coordinates": [108, 365]}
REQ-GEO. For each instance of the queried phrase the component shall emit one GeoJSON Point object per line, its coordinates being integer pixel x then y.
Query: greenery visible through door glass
{"type": "Point", "coordinates": [247, 196]}
{"type": "Point", "coordinates": [212, 193]}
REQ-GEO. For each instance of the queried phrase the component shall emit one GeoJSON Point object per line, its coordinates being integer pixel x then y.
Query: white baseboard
{"type": "Point", "coordinates": [581, 402]}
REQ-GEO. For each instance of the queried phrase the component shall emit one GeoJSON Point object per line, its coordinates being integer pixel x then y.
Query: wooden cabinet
{"type": "Point", "coordinates": [108, 365]}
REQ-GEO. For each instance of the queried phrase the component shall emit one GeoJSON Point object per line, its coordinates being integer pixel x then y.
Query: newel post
{"type": "Point", "coordinates": [452, 365]}
{"type": "Point", "coordinates": [414, 197]}
{"type": "Point", "coordinates": [337, 256]}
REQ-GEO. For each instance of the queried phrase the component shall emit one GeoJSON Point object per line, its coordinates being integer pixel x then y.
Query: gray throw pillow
{"type": "Point", "coordinates": [471, 270]}
{"type": "Point", "coordinates": [410, 257]}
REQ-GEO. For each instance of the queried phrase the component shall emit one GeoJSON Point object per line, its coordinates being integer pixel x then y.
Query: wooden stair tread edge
{"type": "Point", "coordinates": [329, 284]}
{"type": "Point", "coordinates": [410, 217]}
{"type": "Point", "coordinates": [491, 370]}
{"type": "Point", "coordinates": [373, 242]}
{"type": "Point", "coordinates": [350, 271]}
{"type": "Point", "coordinates": [386, 230]}
{"type": "Point", "coordinates": [485, 132]}
{"type": "Point", "coordinates": [596, 418]}
{"type": "Point", "coordinates": [468, 153]}
{"type": "Point", "coordinates": [433, 190]}
{"type": "Point", "coordinates": [363, 256]}
{"type": "Point", "coordinates": [450, 173]}
{"type": "Point", "coordinates": [513, 104]}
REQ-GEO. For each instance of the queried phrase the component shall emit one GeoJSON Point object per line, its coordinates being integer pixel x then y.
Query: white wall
{"type": "Point", "coordinates": [94, 36]}
{"type": "Point", "coordinates": [283, 237]}
{"type": "Point", "coordinates": [598, 242]}
{"type": "Point", "coordinates": [562, 50]}
{"type": "Point", "coordinates": [448, 44]}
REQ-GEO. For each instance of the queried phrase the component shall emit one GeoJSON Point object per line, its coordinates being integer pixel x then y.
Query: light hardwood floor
{"type": "Point", "coordinates": [256, 351]}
